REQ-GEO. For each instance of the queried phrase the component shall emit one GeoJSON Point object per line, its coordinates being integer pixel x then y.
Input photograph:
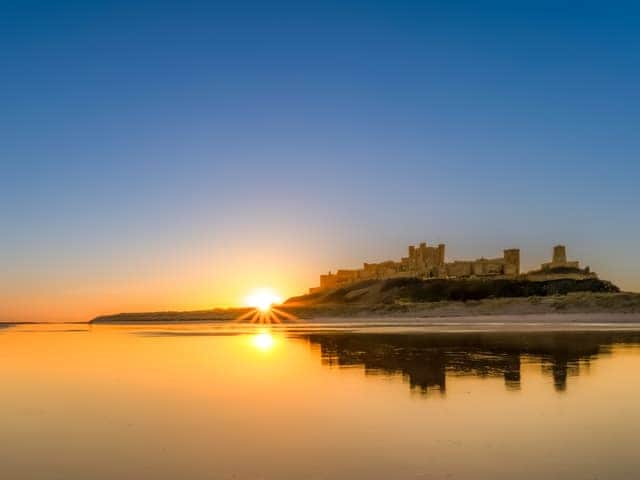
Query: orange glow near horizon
{"type": "Point", "coordinates": [76, 302]}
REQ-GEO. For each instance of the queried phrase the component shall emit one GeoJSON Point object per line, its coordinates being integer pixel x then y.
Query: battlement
{"type": "Point", "coordinates": [427, 262]}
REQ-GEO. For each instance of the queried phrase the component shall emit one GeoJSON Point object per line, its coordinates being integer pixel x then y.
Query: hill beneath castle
{"type": "Point", "coordinates": [412, 297]}
{"type": "Point", "coordinates": [415, 290]}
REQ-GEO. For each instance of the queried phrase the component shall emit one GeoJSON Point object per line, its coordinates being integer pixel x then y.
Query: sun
{"type": "Point", "coordinates": [262, 299]}
{"type": "Point", "coordinates": [266, 308]}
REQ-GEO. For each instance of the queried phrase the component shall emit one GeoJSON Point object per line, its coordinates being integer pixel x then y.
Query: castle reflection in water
{"type": "Point", "coordinates": [426, 360]}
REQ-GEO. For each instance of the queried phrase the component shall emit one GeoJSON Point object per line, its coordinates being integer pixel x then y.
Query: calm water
{"type": "Point", "coordinates": [209, 402]}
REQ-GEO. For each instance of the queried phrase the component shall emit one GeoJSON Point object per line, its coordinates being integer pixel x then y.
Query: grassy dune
{"type": "Point", "coordinates": [431, 298]}
{"type": "Point", "coordinates": [414, 290]}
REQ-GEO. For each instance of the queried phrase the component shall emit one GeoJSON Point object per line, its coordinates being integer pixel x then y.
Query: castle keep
{"type": "Point", "coordinates": [427, 262]}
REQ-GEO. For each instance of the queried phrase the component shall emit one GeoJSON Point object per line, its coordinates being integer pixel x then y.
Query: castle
{"type": "Point", "coordinates": [428, 262]}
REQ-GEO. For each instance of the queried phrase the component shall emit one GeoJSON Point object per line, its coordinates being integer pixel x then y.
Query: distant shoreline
{"type": "Point", "coordinates": [584, 307]}
{"type": "Point", "coordinates": [549, 322]}
{"type": "Point", "coordinates": [584, 321]}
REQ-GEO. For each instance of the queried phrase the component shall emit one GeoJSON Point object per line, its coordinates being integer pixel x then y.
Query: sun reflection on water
{"type": "Point", "coordinates": [263, 341]}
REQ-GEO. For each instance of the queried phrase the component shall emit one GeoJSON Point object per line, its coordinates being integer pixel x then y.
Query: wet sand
{"type": "Point", "coordinates": [549, 319]}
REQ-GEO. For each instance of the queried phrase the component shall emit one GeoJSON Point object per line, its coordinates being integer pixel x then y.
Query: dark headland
{"type": "Point", "coordinates": [436, 298]}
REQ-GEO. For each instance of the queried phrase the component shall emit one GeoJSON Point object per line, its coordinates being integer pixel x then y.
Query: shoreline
{"type": "Point", "coordinates": [501, 319]}
{"type": "Point", "coordinates": [497, 323]}
{"type": "Point", "coordinates": [507, 324]}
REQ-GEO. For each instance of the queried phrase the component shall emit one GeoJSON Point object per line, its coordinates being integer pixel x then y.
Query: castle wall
{"type": "Point", "coordinates": [459, 269]}
{"type": "Point", "coordinates": [484, 267]}
{"type": "Point", "coordinates": [426, 262]}
{"type": "Point", "coordinates": [328, 281]}
{"type": "Point", "coordinates": [551, 265]}
{"type": "Point", "coordinates": [544, 277]}
{"type": "Point", "coordinates": [341, 277]}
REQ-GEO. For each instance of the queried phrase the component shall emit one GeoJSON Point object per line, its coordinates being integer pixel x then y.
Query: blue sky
{"type": "Point", "coordinates": [168, 155]}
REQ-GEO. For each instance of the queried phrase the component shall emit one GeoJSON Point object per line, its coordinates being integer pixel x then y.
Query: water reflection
{"type": "Point", "coordinates": [427, 360]}
{"type": "Point", "coordinates": [210, 401]}
{"type": "Point", "coordinates": [263, 341]}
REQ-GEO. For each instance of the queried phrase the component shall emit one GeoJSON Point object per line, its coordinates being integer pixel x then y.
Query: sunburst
{"type": "Point", "coordinates": [264, 311]}
{"type": "Point", "coordinates": [271, 316]}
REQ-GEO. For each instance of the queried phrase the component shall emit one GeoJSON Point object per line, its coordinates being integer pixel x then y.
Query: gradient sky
{"type": "Point", "coordinates": [174, 155]}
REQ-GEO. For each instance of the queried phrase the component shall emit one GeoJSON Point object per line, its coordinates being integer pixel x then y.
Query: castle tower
{"type": "Point", "coordinates": [423, 251]}
{"type": "Point", "coordinates": [559, 255]}
{"type": "Point", "coordinates": [422, 256]}
{"type": "Point", "coordinates": [441, 254]}
{"type": "Point", "coordinates": [512, 261]}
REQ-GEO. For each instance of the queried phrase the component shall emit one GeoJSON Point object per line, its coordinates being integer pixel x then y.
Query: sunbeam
{"type": "Point", "coordinates": [268, 317]}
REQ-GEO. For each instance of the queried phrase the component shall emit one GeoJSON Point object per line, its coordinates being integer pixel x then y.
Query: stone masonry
{"type": "Point", "coordinates": [426, 262]}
